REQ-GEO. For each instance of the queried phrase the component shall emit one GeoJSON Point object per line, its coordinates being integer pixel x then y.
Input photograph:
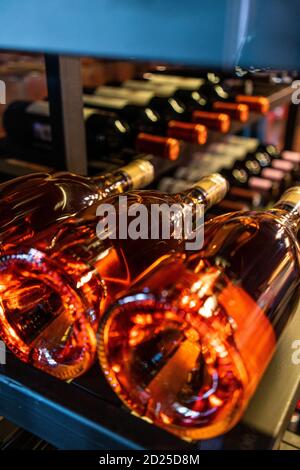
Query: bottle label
{"type": "Point", "coordinates": [135, 97]}
{"type": "Point", "coordinates": [229, 149]}
{"type": "Point", "coordinates": [105, 102]}
{"type": "Point", "coordinates": [140, 172]}
{"type": "Point", "coordinates": [183, 83]}
{"type": "Point", "coordinates": [42, 132]}
{"type": "Point", "coordinates": [162, 91]}
{"type": "Point", "coordinates": [291, 197]}
{"type": "Point", "coordinates": [39, 107]}
{"type": "Point", "coordinates": [87, 112]}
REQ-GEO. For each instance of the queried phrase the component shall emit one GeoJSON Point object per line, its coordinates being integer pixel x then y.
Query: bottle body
{"type": "Point", "coordinates": [241, 178]}
{"type": "Point", "coordinates": [215, 89]}
{"type": "Point", "coordinates": [185, 101]}
{"type": "Point", "coordinates": [196, 93]}
{"type": "Point", "coordinates": [29, 123]}
{"type": "Point", "coordinates": [54, 293]}
{"type": "Point", "coordinates": [31, 203]}
{"type": "Point", "coordinates": [149, 112]}
{"type": "Point", "coordinates": [107, 133]}
{"type": "Point", "coordinates": [196, 334]}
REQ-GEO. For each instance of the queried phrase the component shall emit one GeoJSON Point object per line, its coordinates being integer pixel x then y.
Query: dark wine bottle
{"type": "Point", "coordinates": [265, 161]}
{"type": "Point", "coordinates": [216, 91]}
{"type": "Point", "coordinates": [187, 108]}
{"type": "Point", "coordinates": [243, 178]}
{"type": "Point", "coordinates": [195, 93]}
{"type": "Point", "coordinates": [252, 166]}
{"type": "Point", "coordinates": [29, 123]}
{"type": "Point", "coordinates": [147, 113]}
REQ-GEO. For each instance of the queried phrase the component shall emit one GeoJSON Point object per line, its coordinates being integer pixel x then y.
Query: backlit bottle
{"type": "Point", "coordinates": [55, 288]}
{"type": "Point", "coordinates": [187, 345]}
{"type": "Point", "coordinates": [31, 203]}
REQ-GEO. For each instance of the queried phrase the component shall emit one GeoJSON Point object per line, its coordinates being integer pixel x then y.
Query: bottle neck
{"type": "Point", "coordinates": [137, 174]}
{"type": "Point", "coordinates": [208, 191]}
{"type": "Point", "coordinates": [289, 203]}
{"type": "Point", "coordinates": [113, 183]}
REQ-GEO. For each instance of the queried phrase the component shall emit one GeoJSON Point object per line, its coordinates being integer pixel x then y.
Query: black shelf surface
{"type": "Point", "coordinates": [85, 414]}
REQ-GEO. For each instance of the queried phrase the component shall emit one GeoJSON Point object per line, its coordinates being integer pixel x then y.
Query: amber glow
{"type": "Point", "coordinates": [248, 329]}
{"type": "Point", "coordinates": [195, 133]}
{"type": "Point", "coordinates": [259, 104]}
{"type": "Point", "coordinates": [217, 121]}
{"type": "Point", "coordinates": [240, 112]}
{"type": "Point", "coordinates": [38, 308]}
{"type": "Point", "coordinates": [158, 353]}
{"type": "Point", "coordinates": [165, 147]}
{"type": "Point", "coordinates": [188, 350]}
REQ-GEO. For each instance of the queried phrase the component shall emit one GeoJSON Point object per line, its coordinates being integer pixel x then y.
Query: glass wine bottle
{"type": "Point", "coordinates": [196, 95]}
{"type": "Point", "coordinates": [106, 133]}
{"type": "Point", "coordinates": [148, 112]}
{"type": "Point", "coordinates": [190, 108]}
{"type": "Point", "coordinates": [210, 86]}
{"type": "Point", "coordinates": [187, 345]}
{"type": "Point", "coordinates": [30, 203]}
{"type": "Point", "coordinates": [54, 288]}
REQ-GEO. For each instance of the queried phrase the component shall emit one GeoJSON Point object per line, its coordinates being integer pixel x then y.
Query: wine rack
{"type": "Point", "coordinates": [85, 414]}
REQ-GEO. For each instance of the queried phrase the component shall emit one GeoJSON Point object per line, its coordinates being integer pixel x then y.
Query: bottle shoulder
{"type": "Point", "coordinates": [240, 238]}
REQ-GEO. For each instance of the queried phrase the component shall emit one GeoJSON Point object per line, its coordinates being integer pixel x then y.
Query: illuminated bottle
{"type": "Point", "coordinates": [106, 132]}
{"type": "Point", "coordinates": [187, 345]}
{"type": "Point", "coordinates": [30, 203]}
{"type": "Point", "coordinates": [55, 288]}
{"type": "Point", "coordinates": [148, 112]}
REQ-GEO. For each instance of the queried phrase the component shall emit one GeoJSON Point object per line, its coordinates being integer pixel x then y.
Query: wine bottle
{"type": "Point", "coordinates": [148, 112]}
{"type": "Point", "coordinates": [187, 175]}
{"type": "Point", "coordinates": [53, 291]}
{"type": "Point", "coordinates": [172, 185]}
{"type": "Point", "coordinates": [187, 345]}
{"type": "Point", "coordinates": [252, 166]}
{"type": "Point", "coordinates": [31, 203]}
{"type": "Point", "coordinates": [227, 205]}
{"type": "Point", "coordinates": [29, 123]}
{"type": "Point", "coordinates": [194, 108]}
{"type": "Point", "coordinates": [215, 91]}
{"type": "Point", "coordinates": [243, 178]}
{"type": "Point", "coordinates": [196, 93]}
{"type": "Point", "coordinates": [269, 152]}
{"type": "Point", "coordinates": [265, 161]}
